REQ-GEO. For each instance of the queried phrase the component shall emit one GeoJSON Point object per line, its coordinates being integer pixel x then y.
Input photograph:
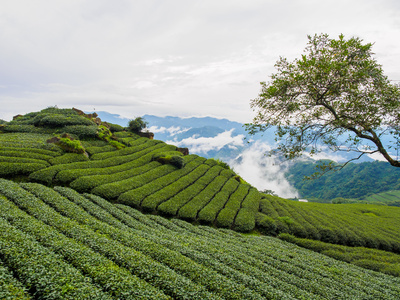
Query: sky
{"type": "Point", "coordinates": [171, 57]}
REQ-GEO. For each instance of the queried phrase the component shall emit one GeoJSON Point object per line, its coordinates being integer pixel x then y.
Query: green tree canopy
{"type": "Point", "coordinates": [335, 96]}
{"type": "Point", "coordinates": [137, 125]}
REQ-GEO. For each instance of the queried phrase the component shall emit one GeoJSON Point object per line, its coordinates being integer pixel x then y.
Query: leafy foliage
{"type": "Point", "coordinates": [174, 158]}
{"type": "Point", "coordinates": [137, 125]}
{"type": "Point", "coordinates": [70, 145]}
{"type": "Point", "coordinates": [334, 96]}
{"type": "Point", "coordinates": [115, 127]}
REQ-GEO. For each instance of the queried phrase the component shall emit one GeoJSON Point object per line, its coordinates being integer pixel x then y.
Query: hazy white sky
{"type": "Point", "coordinates": [169, 57]}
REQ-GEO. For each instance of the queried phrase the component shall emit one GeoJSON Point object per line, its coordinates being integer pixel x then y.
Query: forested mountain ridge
{"type": "Point", "coordinates": [355, 180]}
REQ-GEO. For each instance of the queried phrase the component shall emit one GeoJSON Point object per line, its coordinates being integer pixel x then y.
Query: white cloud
{"type": "Point", "coordinates": [263, 172]}
{"type": "Point", "coordinates": [377, 156]}
{"type": "Point", "coordinates": [326, 155]}
{"type": "Point", "coordinates": [143, 84]}
{"type": "Point", "coordinates": [202, 145]}
{"type": "Point", "coordinates": [173, 130]}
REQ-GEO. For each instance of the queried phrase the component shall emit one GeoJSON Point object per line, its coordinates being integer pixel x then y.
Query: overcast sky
{"type": "Point", "coordinates": [170, 57]}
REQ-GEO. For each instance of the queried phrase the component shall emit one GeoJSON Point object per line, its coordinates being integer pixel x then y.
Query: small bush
{"type": "Point", "coordinates": [173, 158]}
{"type": "Point", "coordinates": [68, 158]}
{"type": "Point", "coordinates": [222, 164]}
{"type": "Point", "coordinates": [73, 146]}
{"type": "Point", "coordinates": [13, 169]}
{"type": "Point", "coordinates": [245, 220]}
{"type": "Point", "coordinates": [82, 131]}
{"type": "Point", "coordinates": [59, 120]}
{"type": "Point", "coordinates": [228, 173]}
{"type": "Point", "coordinates": [100, 149]}
{"type": "Point", "coordinates": [266, 224]}
{"type": "Point", "coordinates": [115, 127]}
{"type": "Point", "coordinates": [287, 237]}
{"type": "Point", "coordinates": [287, 220]}
{"type": "Point", "coordinates": [240, 179]}
{"type": "Point", "coordinates": [104, 133]}
{"type": "Point", "coordinates": [226, 217]}
{"type": "Point", "coordinates": [117, 145]}
{"type": "Point", "coordinates": [137, 125]}
{"type": "Point", "coordinates": [24, 128]}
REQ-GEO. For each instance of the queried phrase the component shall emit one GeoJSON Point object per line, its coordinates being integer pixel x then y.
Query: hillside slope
{"type": "Point", "coordinates": [140, 172]}
{"type": "Point", "coordinates": [155, 177]}
{"type": "Point", "coordinates": [58, 244]}
{"type": "Point", "coordinates": [61, 147]}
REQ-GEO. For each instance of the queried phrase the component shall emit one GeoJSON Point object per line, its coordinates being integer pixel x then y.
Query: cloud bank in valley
{"type": "Point", "coordinates": [202, 145]}
{"type": "Point", "coordinates": [173, 130]}
{"type": "Point", "coordinates": [263, 172]}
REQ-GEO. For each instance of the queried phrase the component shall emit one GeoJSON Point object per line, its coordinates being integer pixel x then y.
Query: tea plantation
{"type": "Point", "coordinates": [59, 244]}
{"type": "Point", "coordinates": [91, 211]}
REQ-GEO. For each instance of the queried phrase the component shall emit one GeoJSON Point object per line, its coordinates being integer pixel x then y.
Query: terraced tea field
{"type": "Point", "coordinates": [59, 244]}
{"type": "Point", "coordinates": [366, 225]}
{"type": "Point", "coordinates": [391, 197]}
{"type": "Point", "coordinates": [200, 191]}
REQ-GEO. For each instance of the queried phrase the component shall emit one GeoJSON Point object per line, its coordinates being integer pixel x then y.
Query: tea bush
{"type": "Point", "coordinates": [226, 217]}
{"type": "Point", "coordinates": [69, 145]}
{"type": "Point", "coordinates": [141, 144]}
{"type": "Point", "coordinates": [113, 190]}
{"type": "Point", "coordinates": [87, 183]}
{"type": "Point", "coordinates": [9, 169]}
{"type": "Point", "coordinates": [210, 211]}
{"type": "Point", "coordinates": [191, 209]}
{"type": "Point", "coordinates": [127, 162]}
{"type": "Point", "coordinates": [152, 201]}
{"type": "Point", "coordinates": [80, 131]}
{"type": "Point", "coordinates": [68, 158]}
{"type": "Point", "coordinates": [10, 287]}
{"type": "Point", "coordinates": [245, 220]}
{"type": "Point", "coordinates": [59, 120]}
{"type": "Point", "coordinates": [99, 149]}
{"type": "Point", "coordinates": [115, 127]}
{"type": "Point", "coordinates": [134, 196]}
{"type": "Point", "coordinates": [171, 206]}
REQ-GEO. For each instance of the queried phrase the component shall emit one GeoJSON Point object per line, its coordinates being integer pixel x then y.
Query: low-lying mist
{"type": "Point", "coordinates": [262, 171]}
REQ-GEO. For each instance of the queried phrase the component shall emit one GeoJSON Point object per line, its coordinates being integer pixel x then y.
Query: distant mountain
{"type": "Point", "coordinates": [206, 136]}
{"type": "Point", "coordinates": [212, 137]}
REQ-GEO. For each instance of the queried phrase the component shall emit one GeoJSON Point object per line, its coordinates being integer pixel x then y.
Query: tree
{"type": "Point", "coordinates": [334, 97]}
{"type": "Point", "coordinates": [137, 125]}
